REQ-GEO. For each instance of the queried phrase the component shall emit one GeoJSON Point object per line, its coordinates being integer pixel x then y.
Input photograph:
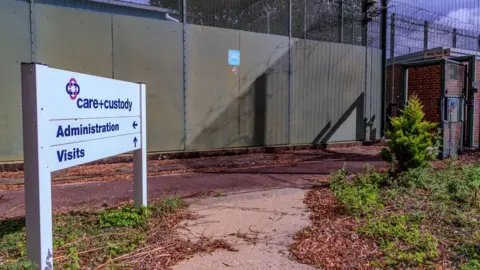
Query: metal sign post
{"type": "Point", "coordinates": [71, 119]}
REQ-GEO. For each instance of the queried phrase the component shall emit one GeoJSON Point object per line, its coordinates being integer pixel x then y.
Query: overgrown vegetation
{"type": "Point", "coordinates": [359, 195]}
{"type": "Point", "coordinates": [419, 216]}
{"type": "Point", "coordinates": [411, 142]}
{"type": "Point", "coordinates": [430, 214]}
{"type": "Point", "coordinates": [90, 239]}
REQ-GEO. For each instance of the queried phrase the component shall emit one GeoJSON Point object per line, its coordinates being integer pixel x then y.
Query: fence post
{"type": "Point", "coordinates": [454, 37]}
{"type": "Point", "coordinates": [341, 22]}
{"type": "Point", "coordinates": [289, 98]}
{"type": "Point", "coordinates": [383, 46]}
{"type": "Point", "coordinates": [33, 50]}
{"type": "Point", "coordinates": [425, 36]}
{"type": "Point", "coordinates": [184, 42]}
{"type": "Point", "coordinates": [478, 48]}
{"type": "Point", "coordinates": [304, 17]}
{"type": "Point", "coordinates": [392, 37]}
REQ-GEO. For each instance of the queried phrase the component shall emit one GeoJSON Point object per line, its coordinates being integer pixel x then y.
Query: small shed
{"type": "Point", "coordinates": [443, 79]}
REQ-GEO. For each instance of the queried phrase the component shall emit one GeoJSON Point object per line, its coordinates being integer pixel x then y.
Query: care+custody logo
{"type": "Point", "coordinates": [73, 89]}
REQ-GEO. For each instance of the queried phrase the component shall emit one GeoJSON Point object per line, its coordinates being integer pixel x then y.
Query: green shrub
{"type": "Point", "coordinates": [401, 241]}
{"type": "Point", "coordinates": [411, 141]}
{"type": "Point", "coordinates": [359, 194]}
{"type": "Point", "coordinates": [124, 217]}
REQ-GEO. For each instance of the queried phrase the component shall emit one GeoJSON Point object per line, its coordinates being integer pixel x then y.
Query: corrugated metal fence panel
{"type": "Point", "coordinates": [327, 95]}
{"type": "Point", "coordinates": [348, 84]}
{"type": "Point", "coordinates": [213, 89]}
{"type": "Point", "coordinates": [310, 98]}
{"type": "Point", "coordinates": [264, 89]}
{"type": "Point", "coordinates": [74, 39]}
{"type": "Point", "coordinates": [14, 49]}
{"type": "Point", "coordinates": [151, 51]}
{"type": "Point", "coordinates": [373, 94]}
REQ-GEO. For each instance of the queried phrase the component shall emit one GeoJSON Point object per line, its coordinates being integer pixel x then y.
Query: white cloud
{"type": "Point", "coordinates": [462, 18]}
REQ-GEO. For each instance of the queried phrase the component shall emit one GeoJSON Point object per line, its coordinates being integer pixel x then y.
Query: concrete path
{"type": "Point", "coordinates": [259, 225]}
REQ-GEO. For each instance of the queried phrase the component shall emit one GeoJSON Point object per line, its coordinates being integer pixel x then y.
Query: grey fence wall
{"type": "Point", "coordinates": [286, 91]}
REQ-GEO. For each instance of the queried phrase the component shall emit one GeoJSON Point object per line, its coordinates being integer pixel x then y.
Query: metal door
{"type": "Point", "coordinates": [453, 107]}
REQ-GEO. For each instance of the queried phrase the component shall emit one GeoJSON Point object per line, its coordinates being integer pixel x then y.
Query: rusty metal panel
{"type": "Point", "coordinates": [328, 82]}
{"type": "Point", "coordinates": [212, 103]}
{"type": "Point", "coordinates": [14, 49]}
{"type": "Point", "coordinates": [151, 51]}
{"type": "Point", "coordinates": [74, 39]}
{"type": "Point", "coordinates": [263, 89]}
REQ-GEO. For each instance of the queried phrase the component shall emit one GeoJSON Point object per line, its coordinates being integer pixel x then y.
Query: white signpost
{"type": "Point", "coordinates": [70, 119]}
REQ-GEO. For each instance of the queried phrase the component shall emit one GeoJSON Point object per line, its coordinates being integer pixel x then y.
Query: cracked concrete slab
{"type": "Point", "coordinates": [259, 225]}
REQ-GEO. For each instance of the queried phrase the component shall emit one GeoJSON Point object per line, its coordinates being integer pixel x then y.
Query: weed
{"type": "Point", "coordinates": [401, 240]}
{"type": "Point", "coordinates": [167, 206]}
{"type": "Point", "coordinates": [72, 259]}
{"type": "Point", "coordinates": [87, 239]}
{"type": "Point", "coordinates": [219, 194]}
{"type": "Point", "coordinates": [358, 195]}
{"type": "Point", "coordinates": [19, 265]}
{"type": "Point", "coordinates": [124, 217]}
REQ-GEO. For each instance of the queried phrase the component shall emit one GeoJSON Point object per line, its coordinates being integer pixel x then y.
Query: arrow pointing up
{"type": "Point", "coordinates": [135, 142]}
{"type": "Point", "coordinates": [134, 124]}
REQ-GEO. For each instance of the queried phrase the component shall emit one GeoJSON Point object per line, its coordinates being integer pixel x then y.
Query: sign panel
{"type": "Point", "coordinates": [87, 108]}
{"type": "Point", "coordinates": [70, 119]}
{"type": "Point", "coordinates": [234, 58]}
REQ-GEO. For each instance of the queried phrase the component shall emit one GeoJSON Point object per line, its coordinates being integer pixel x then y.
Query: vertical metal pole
{"type": "Point", "coordinates": [404, 87]}
{"type": "Point", "coordinates": [365, 24]}
{"type": "Point", "coordinates": [341, 22]}
{"type": "Point", "coordinates": [442, 107]}
{"type": "Point", "coordinates": [33, 50]}
{"type": "Point", "coordinates": [471, 102]}
{"type": "Point", "coordinates": [383, 47]}
{"type": "Point", "coordinates": [185, 83]}
{"type": "Point", "coordinates": [304, 17]}
{"type": "Point", "coordinates": [353, 29]}
{"type": "Point", "coordinates": [454, 38]}
{"type": "Point", "coordinates": [290, 70]}
{"type": "Point", "coordinates": [478, 45]}
{"type": "Point", "coordinates": [38, 189]}
{"type": "Point", "coordinates": [268, 22]}
{"type": "Point", "coordinates": [140, 156]}
{"type": "Point", "coordinates": [425, 36]}
{"type": "Point", "coordinates": [392, 37]}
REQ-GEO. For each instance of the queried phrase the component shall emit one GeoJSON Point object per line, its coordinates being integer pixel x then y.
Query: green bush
{"type": "Point", "coordinates": [411, 141]}
{"type": "Point", "coordinates": [359, 194]}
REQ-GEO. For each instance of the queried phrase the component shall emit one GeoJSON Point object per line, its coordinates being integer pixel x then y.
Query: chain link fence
{"type": "Point", "coordinates": [415, 28]}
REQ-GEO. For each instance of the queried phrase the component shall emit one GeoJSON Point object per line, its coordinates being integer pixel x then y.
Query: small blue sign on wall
{"type": "Point", "coordinates": [234, 58]}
